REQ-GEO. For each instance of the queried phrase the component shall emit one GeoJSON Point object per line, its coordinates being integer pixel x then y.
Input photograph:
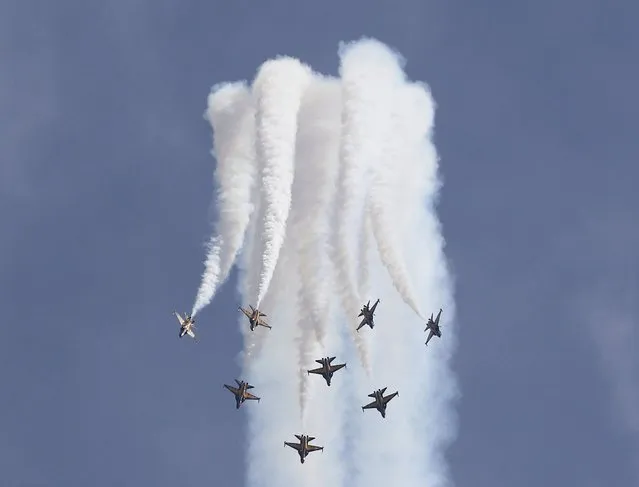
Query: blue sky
{"type": "Point", "coordinates": [106, 188]}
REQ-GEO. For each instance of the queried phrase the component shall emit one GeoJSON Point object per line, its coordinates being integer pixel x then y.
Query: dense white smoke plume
{"type": "Point", "coordinates": [342, 212]}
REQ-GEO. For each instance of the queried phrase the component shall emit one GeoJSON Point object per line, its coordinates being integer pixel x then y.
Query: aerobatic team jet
{"type": "Point", "coordinates": [326, 370]}
{"type": "Point", "coordinates": [255, 317]}
{"type": "Point", "coordinates": [380, 401]}
{"type": "Point", "coordinates": [303, 447]}
{"type": "Point", "coordinates": [241, 392]}
{"type": "Point", "coordinates": [186, 324]}
{"type": "Point", "coordinates": [433, 326]}
{"type": "Point", "coordinates": [367, 312]}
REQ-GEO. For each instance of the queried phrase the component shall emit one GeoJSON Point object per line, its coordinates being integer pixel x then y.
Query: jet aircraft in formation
{"type": "Point", "coordinates": [380, 401]}
{"type": "Point", "coordinates": [326, 370]}
{"type": "Point", "coordinates": [186, 324]}
{"type": "Point", "coordinates": [304, 447]}
{"type": "Point", "coordinates": [433, 326]}
{"type": "Point", "coordinates": [368, 313]}
{"type": "Point", "coordinates": [241, 392]}
{"type": "Point", "coordinates": [255, 317]}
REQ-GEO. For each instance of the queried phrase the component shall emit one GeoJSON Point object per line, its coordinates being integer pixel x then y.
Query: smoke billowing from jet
{"type": "Point", "coordinates": [232, 116]}
{"type": "Point", "coordinates": [328, 186]}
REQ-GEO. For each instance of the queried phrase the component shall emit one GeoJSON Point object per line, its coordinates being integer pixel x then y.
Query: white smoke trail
{"type": "Point", "coordinates": [366, 105]}
{"type": "Point", "coordinates": [275, 376]}
{"type": "Point", "coordinates": [363, 276]}
{"type": "Point", "coordinates": [279, 88]}
{"type": "Point", "coordinates": [404, 449]}
{"type": "Point", "coordinates": [385, 152]}
{"type": "Point", "coordinates": [419, 419]}
{"type": "Point", "coordinates": [232, 118]}
{"type": "Point", "coordinates": [313, 195]}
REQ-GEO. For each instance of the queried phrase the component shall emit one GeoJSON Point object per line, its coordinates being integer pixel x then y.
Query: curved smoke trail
{"type": "Point", "coordinates": [424, 374]}
{"type": "Point", "coordinates": [279, 87]}
{"type": "Point", "coordinates": [304, 141]}
{"type": "Point", "coordinates": [384, 175]}
{"type": "Point", "coordinates": [231, 115]}
{"type": "Point", "coordinates": [366, 104]}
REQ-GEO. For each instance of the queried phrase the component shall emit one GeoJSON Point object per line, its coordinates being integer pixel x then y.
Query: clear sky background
{"type": "Point", "coordinates": [105, 204]}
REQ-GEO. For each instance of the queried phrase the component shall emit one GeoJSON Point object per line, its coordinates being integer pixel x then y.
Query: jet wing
{"type": "Point", "coordinates": [372, 405]}
{"type": "Point", "coordinates": [319, 370]}
{"type": "Point", "coordinates": [364, 322]}
{"type": "Point", "coordinates": [180, 319]}
{"type": "Point", "coordinates": [248, 395]}
{"type": "Point", "coordinates": [311, 448]}
{"type": "Point", "coordinates": [297, 446]}
{"type": "Point", "coordinates": [234, 390]}
{"type": "Point", "coordinates": [430, 335]}
{"type": "Point", "coordinates": [374, 306]}
{"type": "Point", "coordinates": [337, 367]}
{"type": "Point", "coordinates": [389, 397]}
{"type": "Point", "coordinates": [248, 315]}
{"type": "Point", "coordinates": [190, 333]}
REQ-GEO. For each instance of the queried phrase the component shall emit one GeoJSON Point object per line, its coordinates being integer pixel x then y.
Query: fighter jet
{"type": "Point", "coordinates": [186, 324]}
{"type": "Point", "coordinates": [255, 317]}
{"type": "Point", "coordinates": [367, 312]}
{"type": "Point", "coordinates": [380, 401]}
{"type": "Point", "coordinates": [303, 447]}
{"type": "Point", "coordinates": [241, 392]}
{"type": "Point", "coordinates": [433, 326]}
{"type": "Point", "coordinates": [326, 370]}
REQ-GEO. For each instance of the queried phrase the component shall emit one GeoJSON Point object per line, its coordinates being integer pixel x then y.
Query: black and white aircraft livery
{"type": "Point", "coordinates": [186, 324]}
{"type": "Point", "coordinates": [255, 317]}
{"type": "Point", "coordinates": [241, 392]}
{"type": "Point", "coordinates": [380, 401]}
{"type": "Point", "coordinates": [367, 312]}
{"type": "Point", "coordinates": [433, 326]}
{"type": "Point", "coordinates": [304, 447]}
{"type": "Point", "coordinates": [326, 370]}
